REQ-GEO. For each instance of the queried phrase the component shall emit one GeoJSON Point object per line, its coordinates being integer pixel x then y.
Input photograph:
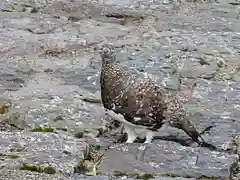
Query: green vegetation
{"type": "Point", "coordinates": [79, 134]}
{"type": "Point", "coordinates": [12, 156]}
{"type": "Point", "coordinates": [4, 108]}
{"type": "Point", "coordinates": [43, 129]}
{"type": "Point", "coordinates": [47, 170]}
{"type": "Point", "coordinates": [136, 175]}
{"type": "Point", "coordinates": [206, 178]}
{"type": "Point", "coordinates": [146, 176]}
{"type": "Point", "coordinates": [62, 129]}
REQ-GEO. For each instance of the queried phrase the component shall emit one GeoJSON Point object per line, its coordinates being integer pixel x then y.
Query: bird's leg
{"type": "Point", "coordinates": [121, 130]}
{"type": "Point", "coordinates": [131, 134]}
{"type": "Point", "coordinates": [149, 137]}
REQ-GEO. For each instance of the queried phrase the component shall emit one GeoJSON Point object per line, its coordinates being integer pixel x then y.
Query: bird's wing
{"type": "Point", "coordinates": [142, 104]}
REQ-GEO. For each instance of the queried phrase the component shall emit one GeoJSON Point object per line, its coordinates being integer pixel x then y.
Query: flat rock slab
{"type": "Point", "coordinates": [61, 152]}
{"type": "Point", "coordinates": [169, 158]}
{"type": "Point", "coordinates": [44, 101]}
{"type": "Point", "coordinates": [166, 178]}
{"type": "Point", "coordinates": [27, 175]}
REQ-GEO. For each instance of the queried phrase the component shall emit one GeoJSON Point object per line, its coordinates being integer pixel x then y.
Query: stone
{"type": "Point", "coordinates": [48, 57]}
{"type": "Point", "coordinates": [27, 175]}
{"type": "Point", "coordinates": [169, 158]}
{"type": "Point", "coordinates": [42, 150]}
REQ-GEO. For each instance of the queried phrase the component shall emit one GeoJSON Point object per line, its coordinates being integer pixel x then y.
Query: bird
{"type": "Point", "coordinates": [138, 102]}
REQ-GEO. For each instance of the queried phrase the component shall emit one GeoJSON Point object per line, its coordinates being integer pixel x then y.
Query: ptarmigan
{"type": "Point", "coordinates": [137, 102]}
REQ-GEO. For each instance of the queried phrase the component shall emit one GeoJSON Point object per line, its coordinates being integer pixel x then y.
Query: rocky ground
{"type": "Point", "coordinates": [52, 125]}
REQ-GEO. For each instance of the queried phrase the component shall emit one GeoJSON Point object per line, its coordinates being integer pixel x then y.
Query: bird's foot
{"type": "Point", "coordinates": [130, 141]}
{"type": "Point", "coordinates": [123, 138]}
{"type": "Point", "coordinates": [132, 136]}
{"type": "Point", "coordinates": [149, 137]}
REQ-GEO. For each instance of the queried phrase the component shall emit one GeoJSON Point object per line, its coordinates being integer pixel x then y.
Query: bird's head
{"type": "Point", "coordinates": [107, 53]}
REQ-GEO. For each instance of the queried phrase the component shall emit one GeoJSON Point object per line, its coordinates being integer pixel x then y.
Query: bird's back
{"type": "Point", "coordinates": [138, 99]}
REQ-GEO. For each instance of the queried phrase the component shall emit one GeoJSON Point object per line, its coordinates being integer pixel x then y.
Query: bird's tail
{"type": "Point", "coordinates": [189, 129]}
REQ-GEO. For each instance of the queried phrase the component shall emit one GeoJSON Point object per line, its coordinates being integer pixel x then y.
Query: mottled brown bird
{"type": "Point", "coordinates": [137, 102]}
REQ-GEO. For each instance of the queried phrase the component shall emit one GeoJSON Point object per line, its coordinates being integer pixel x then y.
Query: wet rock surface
{"type": "Point", "coordinates": [49, 87]}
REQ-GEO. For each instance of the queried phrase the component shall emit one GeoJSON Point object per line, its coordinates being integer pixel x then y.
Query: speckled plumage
{"type": "Point", "coordinates": [138, 100]}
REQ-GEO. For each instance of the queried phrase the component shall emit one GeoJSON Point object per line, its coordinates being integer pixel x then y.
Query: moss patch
{"type": "Point", "coordinates": [47, 170]}
{"type": "Point", "coordinates": [4, 108]}
{"type": "Point", "coordinates": [169, 175]}
{"type": "Point", "coordinates": [78, 132]}
{"type": "Point", "coordinates": [145, 176]}
{"type": "Point", "coordinates": [136, 175]}
{"type": "Point", "coordinates": [206, 178]}
{"type": "Point", "coordinates": [79, 135]}
{"type": "Point", "coordinates": [43, 129]}
{"type": "Point", "coordinates": [12, 156]}
{"type": "Point", "coordinates": [62, 129]}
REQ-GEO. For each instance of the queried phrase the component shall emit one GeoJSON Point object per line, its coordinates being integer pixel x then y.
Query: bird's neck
{"type": "Point", "coordinates": [107, 63]}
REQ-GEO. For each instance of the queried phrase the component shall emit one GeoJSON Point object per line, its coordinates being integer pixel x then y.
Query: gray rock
{"type": "Point", "coordinates": [48, 59]}
{"type": "Point", "coordinates": [23, 5]}
{"type": "Point", "coordinates": [164, 178]}
{"type": "Point", "coordinates": [168, 158]}
{"type": "Point", "coordinates": [201, 71]}
{"type": "Point", "coordinates": [28, 175]}
{"type": "Point", "coordinates": [55, 102]}
{"type": "Point", "coordinates": [41, 150]}
{"type": "Point", "coordinates": [236, 77]}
